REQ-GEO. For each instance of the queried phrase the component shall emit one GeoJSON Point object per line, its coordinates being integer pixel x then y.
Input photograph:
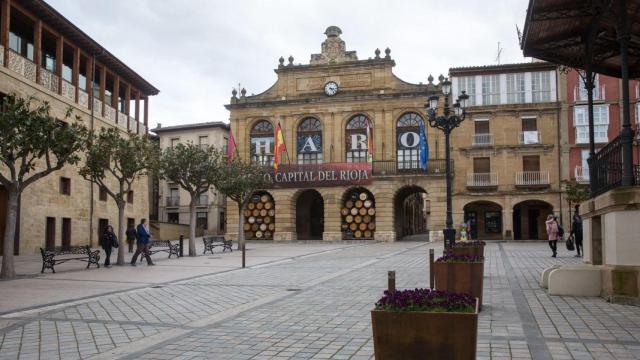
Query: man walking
{"type": "Point", "coordinates": [142, 243]}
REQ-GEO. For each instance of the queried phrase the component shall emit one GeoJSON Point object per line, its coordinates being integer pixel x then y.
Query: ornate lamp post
{"type": "Point", "coordinates": [447, 122]}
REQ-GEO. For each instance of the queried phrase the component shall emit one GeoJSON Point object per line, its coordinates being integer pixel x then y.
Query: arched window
{"type": "Point", "coordinates": [357, 142]}
{"type": "Point", "coordinates": [408, 141]}
{"type": "Point", "coordinates": [262, 143]}
{"type": "Point", "coordinates": [310, 141]}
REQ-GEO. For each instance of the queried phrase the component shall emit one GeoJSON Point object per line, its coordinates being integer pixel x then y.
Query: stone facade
{"type": "Point", "coordinates": [43, 204]}
{"type": "Point", "coordinates": [174, 205]}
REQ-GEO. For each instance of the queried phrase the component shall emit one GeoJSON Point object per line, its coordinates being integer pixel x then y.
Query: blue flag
{"type": "Point", "coordinates": [424, 148]}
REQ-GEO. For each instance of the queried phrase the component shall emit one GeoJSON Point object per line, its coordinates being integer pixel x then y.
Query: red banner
{"type": "Point", "coordinates": [312, 175]}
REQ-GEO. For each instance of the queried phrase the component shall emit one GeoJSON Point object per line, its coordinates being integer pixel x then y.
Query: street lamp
{"type": "Point", "coordinates": [447, 122]}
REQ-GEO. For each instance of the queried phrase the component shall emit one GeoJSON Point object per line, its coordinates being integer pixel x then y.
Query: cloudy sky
{"type": "Point", "coordinates": [196, 51]}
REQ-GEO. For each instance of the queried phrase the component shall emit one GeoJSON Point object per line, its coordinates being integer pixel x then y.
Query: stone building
{"type": "Point", "coordinates": [174, 201]}
{"type": "Point", "coordinates": [507, 151]}
{"type": "Point", "coordinates": [43, 54]}
{"type": "Point", "coordinates": [352, 168]}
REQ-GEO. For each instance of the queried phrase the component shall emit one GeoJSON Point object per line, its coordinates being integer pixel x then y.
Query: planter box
{"type": "Point", "coordinates": [471, 250]}
{"type": "Point", "coordinates": [461, 278]}
{"type": "Point", "coordinates": [424, 335]}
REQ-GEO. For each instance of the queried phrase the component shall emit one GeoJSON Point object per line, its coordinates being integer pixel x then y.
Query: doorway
{"type": "Point", "coordinates": [50, 233]}
{"type": "Point", "coordinates": [66, 232]}
{"type": "Point", "coordinates": [102, 224]}
{"type": "Point", "coordinates": [529, 220]}
{"type": "Point", "coordinates": [412, 210]}
{"type": "Point", "coordinates": [310, 215]}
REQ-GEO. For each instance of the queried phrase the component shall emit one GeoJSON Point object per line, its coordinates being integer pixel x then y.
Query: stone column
{"type": "Point", "coordinates": [285, 203]}
{"type": "Point", "coordinates": [384, 213]}
{"type": "Point", "coordinates": [332, 218]}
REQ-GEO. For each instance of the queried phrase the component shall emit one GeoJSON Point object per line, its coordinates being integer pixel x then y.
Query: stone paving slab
{"type": "Point", "coordinates": [315, 305]}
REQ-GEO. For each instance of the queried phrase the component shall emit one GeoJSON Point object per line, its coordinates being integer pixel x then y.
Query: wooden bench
{"type": "Point", "coordinates": [156, 246]}
{"type": "Point", "coordinates": [59, 254]}
{"type": "Point", "coordinates": [211, 242]}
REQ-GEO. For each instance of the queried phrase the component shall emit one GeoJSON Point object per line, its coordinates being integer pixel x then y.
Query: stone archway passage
{"type": "Point", "coordinates": [411, 211]}
{"type": "Point", "coordinates": [484, 219]}
{"type": "Point", "coordinates": [529, 220]}
{"type": "Point", "coordinates": [358, 215]}
{"type": "Point", "coordinates": [260, 217]}
{"type": "Point", "coordinates": [310, 215]}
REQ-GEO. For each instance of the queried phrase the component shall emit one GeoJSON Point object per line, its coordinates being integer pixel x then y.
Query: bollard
{"type": "Point", "coordinates": [181, 245]}
{"type": "Point", "coordinates": [243, 256]}
{"type": "Point", "coordinates": [391, 277]}
{"type": "Point", "coordinates": [431, 274]}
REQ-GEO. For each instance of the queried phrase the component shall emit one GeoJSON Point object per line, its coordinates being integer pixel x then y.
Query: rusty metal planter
{"type": "Point", "coordinates": [424, 335]}
{"type": "Point", "coordinates": [471, 250]}
{"type": "Point", "coordinates": [460, 277]}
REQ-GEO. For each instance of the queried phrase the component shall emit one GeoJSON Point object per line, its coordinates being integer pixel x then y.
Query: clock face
{"type": "Point", "coordinates": [330, 88]}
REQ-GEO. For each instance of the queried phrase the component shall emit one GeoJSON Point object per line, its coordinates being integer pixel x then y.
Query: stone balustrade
{"type": "Point", "coordinates": [68, 90]}
{"type": "Point", "coordinates": [22, 66]}
{"type": "Point", "coordinates": [83, 98]}
{"type": "Point", "coordinates": [49, 80]}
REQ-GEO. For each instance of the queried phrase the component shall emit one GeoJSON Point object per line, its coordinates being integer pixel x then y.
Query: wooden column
{"type": "Point", "coordinates": [59, 54]}
{"type": "Point", "coordinates": [103, 84]}
{"type": "Point", "coordinates": [89, 88]}
{"type": "Point", "coordinates": [37, 47]}
{"type": "Point", "coordinates": [115, 96]}
{"type": "Point", "coordinates": [137, 108]}
{"type": "Point", "coordinates": [127, 101]}
{"type": "Point", "coordinates": [4, 29]}
{"type": "Point", "coordinates": [75, 78]}
{"type": "Point", "coordinates": [146, 114]}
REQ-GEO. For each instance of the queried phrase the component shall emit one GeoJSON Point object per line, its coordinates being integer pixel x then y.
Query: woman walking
{"type": "Point", "coordinates": [552, 234]}
{"type": "Point", "coordinates": [107, 241]}
{"type": "Point", "coordinates": [576, 231]}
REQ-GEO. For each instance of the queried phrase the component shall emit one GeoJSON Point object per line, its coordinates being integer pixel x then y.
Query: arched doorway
{"type": "Point", "coordinates": [260, 217]}
{"type": "Point", "coordinates": [358, 214]}
{"type": "Point", "coordinates": [528, 220]}
{"type": "Point", "coordinates": [310, 215]}
{"type": "Point", "coordinates": [485, 218]}
{"type": "Point", "coordinates": [411, 211]}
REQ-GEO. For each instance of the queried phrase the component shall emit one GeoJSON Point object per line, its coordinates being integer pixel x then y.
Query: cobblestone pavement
{"type": "Point", "coordinates": [317, 306]}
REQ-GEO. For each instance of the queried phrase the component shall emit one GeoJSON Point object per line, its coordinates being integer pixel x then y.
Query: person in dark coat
{"type": "Point", "coordinates": [142, 243]}
{"type": "Point", "coordinates": [131, 237]}
{"type": "Point", "coordinates": [108, 241]}
{"type": "Point", "coordinates": [576, 231]}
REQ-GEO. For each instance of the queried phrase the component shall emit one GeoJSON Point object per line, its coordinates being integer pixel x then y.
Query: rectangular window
{"type": "Point", "coordinates": [174, 142]}
{"type": "Point", "coordinates": [203, 141]}
{"type": "Point", "coordinates": [173, 217]}
{"type": "Point", "coordinates": [490, 89]}
{"type": "Point", "coordinates": [600, 123]}
{"type": "Point", "coordinates": [50, 233]}
{"type": "Point", "coordinates": [130, 197]}
{"type": "Point", "coordinates": [582, 89]}
{"type": "Point", "coordinates": [223, 220]}
{"type": "Point", "coordinates": [65, 186]}
{"type": "Point", "coordinates": [515, 88]}
{"type": "Point", "coordinates": [541, 86]}
{"type": "Point", "coordinates": [202, 221]}
{"type": "Point", "coordinates": [531, 163]}
{"type": "Point", "coordinates": [481, 165]}
{"type": "Point", "coordinates": [492, 222]}
{"type": "Point", "coordinates": [481, 126]}
{"type": "Point", "coordinates": [529, 124]}
{"type": "Point", "coordinates": [66, 232]}
{"type": "Point", "coordinates": [468, 84]}
{"type": "Point", "coordinates": [225, 144]}
{"type": "Point", "coordinates": [103, 194]}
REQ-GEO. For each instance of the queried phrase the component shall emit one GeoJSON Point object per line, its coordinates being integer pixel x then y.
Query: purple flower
{"type": "Point", "coordinates": [426, 300]}
{"type": "Point", "coordinates": [451, 258]}
{"type": "Point", "coordinates": [469, 243]}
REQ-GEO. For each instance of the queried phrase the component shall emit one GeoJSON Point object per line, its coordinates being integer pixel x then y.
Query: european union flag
{"type": "Point", "coordinates": [424, 148]}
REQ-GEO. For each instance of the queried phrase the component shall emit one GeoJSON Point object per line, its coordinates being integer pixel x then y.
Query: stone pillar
{"type": "Point", "coordinates": [332, 217]}
{"type": "Point", "coordinates": [232, 221]}
{"type": "Point", "coordinates": [384, 213]}
{"type": "Point", "coordinates": [507, 224]}
{"type": "Point", "coordinates": [285, 202]}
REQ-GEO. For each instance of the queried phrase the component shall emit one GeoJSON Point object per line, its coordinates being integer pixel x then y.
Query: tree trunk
{"type": "Point", "coordinates": [121, 232]}
{"type": "Point", "coordinates": [192, 226]}
{"type": "Point", "coordinates": [241, 231]}
{"type": "Point", "coordinates": [8, 271]}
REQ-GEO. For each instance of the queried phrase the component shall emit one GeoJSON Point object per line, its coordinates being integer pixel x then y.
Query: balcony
{"type": "Point", "coordinates": [581, 94]}
{"type": "Point", "coordinates": [83, 98]}
{"type": "Point", "coordinates": [532, 179]}
{"type": "Point", "coordinates": [49, 80]}
{"type": "Point", "coordinates": [110, 113]}
{"type": "Point", "coordinates": [133, 124]}
{"type": "Point", "coordinates": [393, 167]}
{"type": "Point", "coordinates": [123, 119]}
{"type": "Point", "coordinates": [482, 140]}
{"type": "Point", "coordinates": [173, 201]}
{"type": "Point", "coordinates": [203, 200]}
{"type": "Point", "coordinates": [22, 65]}
{"type": "Point", "coordinates": [581, 174]}
{"type": "Point", "coordinates": [529, 137]}
{"type": "Point", "coordinates": [68, 90]}
{"type": "Point", "coordinates": [97, 107]}
{"type": "Point", "coordinates": [482, 180]}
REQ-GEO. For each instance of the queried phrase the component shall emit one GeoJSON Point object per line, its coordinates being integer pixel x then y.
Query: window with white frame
{"type": "Point", "coordinates": [582, 88]}
{"type": "Point", "coordinates": [638, 113]}
{"type": "Point", "coordinates": [468, 85]}
{"type": "Point", "coordinates": [600, 123]}
{"type": "Point", "coordinates": [541, 86]}
{"type": "Point", "coordinates": [490, 89]}
{"type": "Point", "coordinates": [515, 88]}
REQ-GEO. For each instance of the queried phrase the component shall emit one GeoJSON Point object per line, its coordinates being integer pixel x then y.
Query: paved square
{"type": "Point", "coordinates": [315, 305]}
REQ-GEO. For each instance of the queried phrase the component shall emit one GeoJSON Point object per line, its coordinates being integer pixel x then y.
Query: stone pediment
{"type": "Point", "coordinates": [334, 49]}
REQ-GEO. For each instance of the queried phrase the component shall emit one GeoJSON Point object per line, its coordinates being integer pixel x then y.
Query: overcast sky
{"type": "Point", "coordinates": [196, 51]}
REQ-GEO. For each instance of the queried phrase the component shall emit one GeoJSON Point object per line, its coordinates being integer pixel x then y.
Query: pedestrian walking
{"type": "Point", "coordinates": [552, 234]}
{"type": "Point", "coordinates": [131, 237]}
{"type": "Point", "coordinates": [108, 240]}
{"type": "Point", "coordinates": [576, 231]}
{"type": "Point", "coordinates": [142, 243]}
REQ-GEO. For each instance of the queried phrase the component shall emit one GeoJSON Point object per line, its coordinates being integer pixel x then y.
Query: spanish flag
{"type": "Point", "coordinates": [231, 145]}
{"type": "Point", "coordinates": [279, 147]}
